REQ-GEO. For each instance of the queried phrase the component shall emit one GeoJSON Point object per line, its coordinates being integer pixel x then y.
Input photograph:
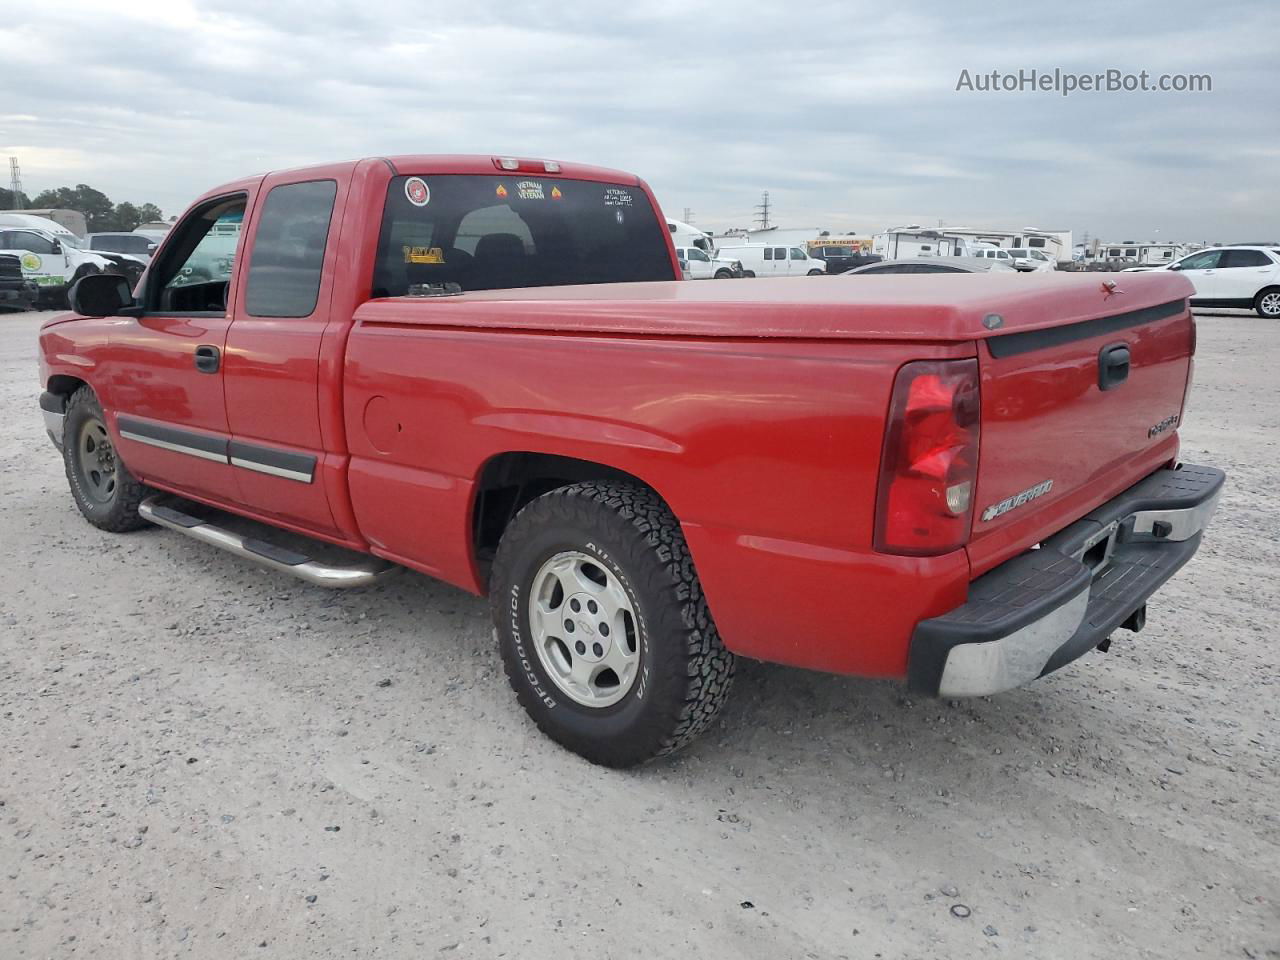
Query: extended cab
{"type": "Point", "coordinates": [486, 370]}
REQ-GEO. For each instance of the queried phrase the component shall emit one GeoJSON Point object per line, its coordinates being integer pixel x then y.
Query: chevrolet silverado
{"type": "Point", "coordinates": [486, 369]}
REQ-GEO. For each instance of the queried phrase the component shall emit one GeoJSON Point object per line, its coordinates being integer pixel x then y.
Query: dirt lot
{"type": "Point", "coordinates": [204, 759]}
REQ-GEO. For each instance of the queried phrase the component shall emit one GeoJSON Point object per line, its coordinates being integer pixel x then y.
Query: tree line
{"type": "Point", "coordinates": [99, 212]}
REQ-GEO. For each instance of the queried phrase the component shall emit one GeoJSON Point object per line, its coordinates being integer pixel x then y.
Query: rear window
{"type": "Point", "coordinates": [502, 232]}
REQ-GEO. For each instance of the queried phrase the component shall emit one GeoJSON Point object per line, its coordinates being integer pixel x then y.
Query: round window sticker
{"type": "Point", "coordinates": [416, 189]}
{"type": "Point", "coordinates": [30, 261]}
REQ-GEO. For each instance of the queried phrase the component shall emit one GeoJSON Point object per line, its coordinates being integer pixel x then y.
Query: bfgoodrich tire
{"type": "Point", "coordinates": [603, 628]}
{"type": "Point", "coordinates": [102, 487]}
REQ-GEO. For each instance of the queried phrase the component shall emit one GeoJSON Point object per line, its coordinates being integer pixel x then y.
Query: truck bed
{"type": "Point", "coordinates": [943, 307]}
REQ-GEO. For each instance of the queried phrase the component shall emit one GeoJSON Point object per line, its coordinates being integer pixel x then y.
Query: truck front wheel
{"type": "Point", "coordinates": [102, 487]}
{"type": "Point", "coordinates": [604, 631]}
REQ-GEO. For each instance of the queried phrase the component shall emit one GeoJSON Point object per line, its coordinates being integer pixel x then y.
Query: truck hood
{"type": "Point", "coordinates": [946, 307]}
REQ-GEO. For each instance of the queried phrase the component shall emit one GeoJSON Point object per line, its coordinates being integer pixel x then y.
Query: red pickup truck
{"type": "Point", "coordinates": [487, 370]}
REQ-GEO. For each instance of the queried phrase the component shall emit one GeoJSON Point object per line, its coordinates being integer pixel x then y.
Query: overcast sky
{"type": "Point", "coordinates": [846, 112]}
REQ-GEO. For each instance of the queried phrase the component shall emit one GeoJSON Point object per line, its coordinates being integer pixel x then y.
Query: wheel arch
{"type": "Point", "coordinates": [1257, 299]}
{"type": "Point", "coordinates": [508, 481]}
{"type": "Point", "coordinates": [64, 385]}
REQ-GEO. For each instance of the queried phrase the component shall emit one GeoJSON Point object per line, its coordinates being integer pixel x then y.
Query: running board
{"type": "Point", "coordinates": [267, 554]}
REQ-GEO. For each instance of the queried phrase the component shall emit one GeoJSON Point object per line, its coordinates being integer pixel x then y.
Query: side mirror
{"type": "Point", "coordinates": [1175, 266]}
{"type": "Point", "coordinates": [57, 247]}
{"type": "Point", "coordinates": [151, 248]}
{"type": "Point", "coordinates": [100, 295]}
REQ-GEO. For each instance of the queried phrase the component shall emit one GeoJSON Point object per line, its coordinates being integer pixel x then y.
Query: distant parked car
{"type": "Point", "coordinates": [703, 266]}
{"type": "Point", "coordinates": [1243, 277]}
{"type": "Point", "coordinates": [761, 261]}
{"type": "Point", "coordinates": [1028, 259]}
{"type": "Point", "coordinates": [135, 244]}
{"type": "Point", "coordinates": [841, 258]}
{"type": "Point", "coordinates": [937, 265]}
{"type": "Point", "coordinates": [16, 293]}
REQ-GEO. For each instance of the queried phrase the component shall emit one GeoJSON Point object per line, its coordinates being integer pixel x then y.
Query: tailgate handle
{"type": "Point", "coordinates": [1113, 366]}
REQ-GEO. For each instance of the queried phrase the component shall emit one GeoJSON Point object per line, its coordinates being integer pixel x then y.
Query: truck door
{"type": "Point", "coordinates": [273, 353]}
{"type": "Point", "coordinates": [166, 370]}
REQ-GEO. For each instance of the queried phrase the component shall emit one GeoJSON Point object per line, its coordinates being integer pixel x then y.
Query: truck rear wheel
{"type": "Point", "coordinates": [102, 487]}
{"type": "Point", "coordinates": [603, 628]}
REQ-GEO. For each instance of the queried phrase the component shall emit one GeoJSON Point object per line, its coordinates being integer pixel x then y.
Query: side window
{"type": "Point", "coordinates": [779, 253]}
{"type": "Point", "coordinates": [1201, 261]}
{"type": "Point", "coordinates": [797, 254]}
{"type": "Point", "coordinates": [1131, 252]}
{"type": "Point", "coordinates": [33, 242]}
{"type": "Point", "coordinates": [288, 250]}
{"type": "Point", "coordinates": [1035, 241]}
{"type": "Point", "coordinates": [768, 253]}
{"type": "Point", "coordinates": [695, 254]}
{"type": "Point", "coordinates": [196, 264]}
{"type": "Point", "coordinates": [1245, 258]}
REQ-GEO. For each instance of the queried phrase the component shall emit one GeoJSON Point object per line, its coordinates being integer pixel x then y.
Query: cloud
{"type": "Point", "coordinates": [846, 112]}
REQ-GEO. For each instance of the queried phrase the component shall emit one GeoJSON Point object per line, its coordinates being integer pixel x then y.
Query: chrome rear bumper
{"type": "Point", "coordinates": [1045, 608]}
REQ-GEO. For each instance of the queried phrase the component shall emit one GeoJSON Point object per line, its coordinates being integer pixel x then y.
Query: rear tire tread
{"type": "Point", "coordinates": [710, 666]}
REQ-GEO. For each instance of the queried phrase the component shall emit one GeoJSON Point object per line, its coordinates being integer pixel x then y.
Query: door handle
{"type": "Point", "coordinates": [207, 358]}
{"type": "Point", "coordinates": [1113, 366]}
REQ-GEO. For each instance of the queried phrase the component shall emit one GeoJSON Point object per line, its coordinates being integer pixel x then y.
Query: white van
{"type": "Point", "coordinates": [761, 261]}
{"type": "Point", "coordinates": [993, 253]}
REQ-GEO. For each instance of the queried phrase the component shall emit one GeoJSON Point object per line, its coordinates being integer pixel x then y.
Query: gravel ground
{"type": "Point", "coordinates": [206, 759]}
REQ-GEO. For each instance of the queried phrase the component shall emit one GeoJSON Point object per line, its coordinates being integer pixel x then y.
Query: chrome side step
{"type": "Point", "coordinates": [267, 554]}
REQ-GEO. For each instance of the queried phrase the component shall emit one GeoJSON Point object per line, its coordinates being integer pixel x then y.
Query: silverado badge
{"type": "Point", "coordinates": [1017, 500]}
{"type": "Point", "coordinates": [1168, 423]}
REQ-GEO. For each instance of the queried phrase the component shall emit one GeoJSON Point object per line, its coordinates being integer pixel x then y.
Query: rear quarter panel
{"type": "Point", "coordinates": [767, 452]}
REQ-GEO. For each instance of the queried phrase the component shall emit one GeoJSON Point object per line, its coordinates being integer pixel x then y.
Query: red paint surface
{"type": "Point", "coordinates": [755, 408]}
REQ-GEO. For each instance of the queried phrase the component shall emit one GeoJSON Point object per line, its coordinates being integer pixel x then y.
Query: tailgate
{"type": "Point", "coordinates": [1067, 424]}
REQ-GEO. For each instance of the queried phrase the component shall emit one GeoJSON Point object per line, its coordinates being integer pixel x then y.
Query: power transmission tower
{"type": "Point", "coordinates": [762, 211]}
{"type": "Point", "coordinates": [688, 215]}
{"type": "Point", "coordinates": [15, 182]}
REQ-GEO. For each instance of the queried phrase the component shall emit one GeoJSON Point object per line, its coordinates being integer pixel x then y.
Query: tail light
{"type": "Point", "coordinates": [929, 466]}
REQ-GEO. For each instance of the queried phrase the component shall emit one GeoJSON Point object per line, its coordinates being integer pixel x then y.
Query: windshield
{"type": "Point", "coordinates": [499, 232]}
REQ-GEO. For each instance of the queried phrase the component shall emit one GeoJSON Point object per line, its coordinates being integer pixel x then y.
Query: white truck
{"type": "Point", "coordinates": [54, 258]}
